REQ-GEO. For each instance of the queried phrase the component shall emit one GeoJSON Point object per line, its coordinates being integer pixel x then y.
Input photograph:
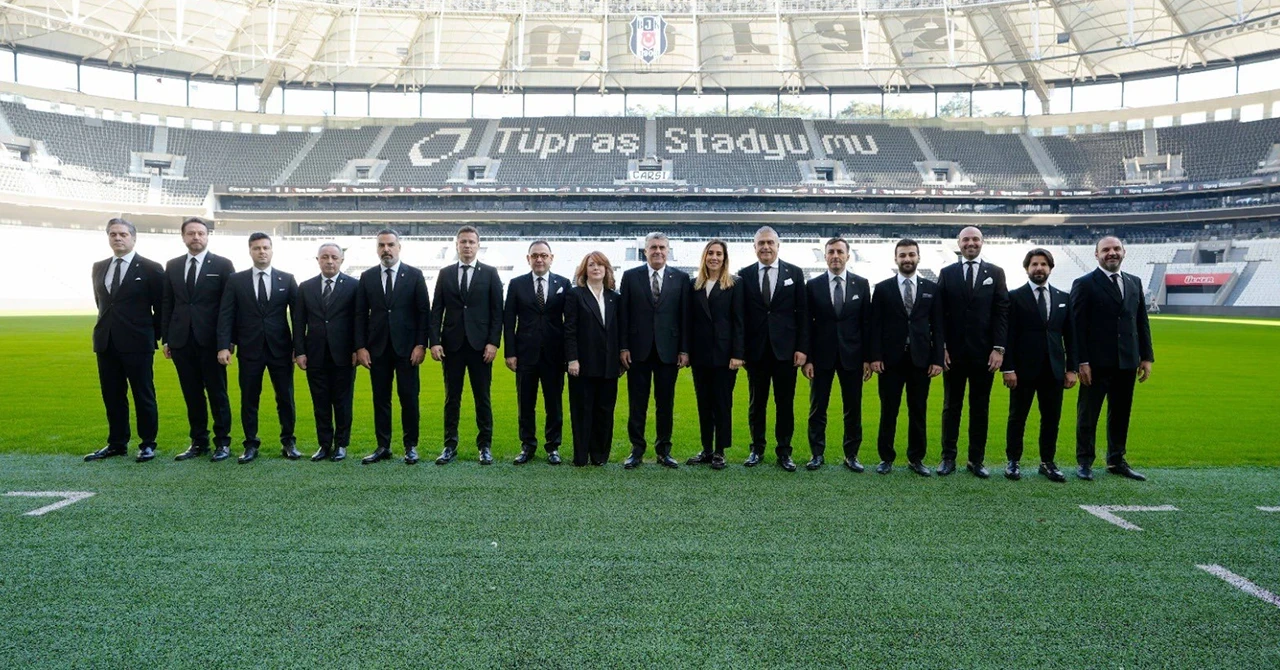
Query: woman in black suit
{"type": "Point", "coordinates": [591, 348]}
{"type": "Point", "coordinates": [716, 349]}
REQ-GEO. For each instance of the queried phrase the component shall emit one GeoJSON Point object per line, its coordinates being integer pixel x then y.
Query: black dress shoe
{"type": "Point", "coordinates": [191, 452]}
{"type": "Point", "coordinates": [700, 458]}
{"type": "Point", "coordinates": [786, 463]}
{"type": "Point", "coordinates": [339, 454]}
{"type": "Point", "coordinates": [853, 464]}
{"type": "Point", "coordinates": [250, 453]}
{"type": "Point", "coordinates": [814, 463]}
{"type": "Point", "coordinates": [717, 462]}
{"type": "Point", "coordinates": [486, 456]}
{"type": "Point", "coordinates": [667, 461]}
{"type": "Point", "coordinates": [446, 456]}
{"type": "Point", "coordinates": [290, 452]}
{"type": "Point", "coordinates": [1122, 468]}
{"type": "Point", "coordinates": [979, 470]}
{"type": "Point", "coordinates": [599, 464]}
{"type": "Point", "coordinates": [379, 454]}
{"type": "Point", "coordinates": [1052, 473]}
{"type": "Point", "coordinates": [1085, 472]}
{"type": "Point", "coordinates": [1014, 472]}
{"type": "Point", "coordinates": [553, 458]}
{"type": "Point", "coordinates": [106, 452]}
{"type": "Point", "coordinates": [919, 468]}
{"type": "Point", "coordinates": [633, 461]}
{"type": "Point", "coordinates": [321, 454]}
{"type": "Point", "coordinates": [524, 457]}
{"type": "Point", "coordinates": [946, 467]}
{"type": "Point", "coordinates": [145, 454]}
{"type": "Point", "coordinates": [754, 459]}
{"type": "Point", "coordinates": [223, 453]}
{"type": "Point", "coordinates": [884, 468]}
{"type": "Point", "coordinates": [410, 455]}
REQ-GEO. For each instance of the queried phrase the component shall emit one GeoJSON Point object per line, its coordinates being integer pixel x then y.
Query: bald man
{"type": "Point", "coordinates": [1113, 345]}
{"type": "Point", "coordinates": [975, 317]}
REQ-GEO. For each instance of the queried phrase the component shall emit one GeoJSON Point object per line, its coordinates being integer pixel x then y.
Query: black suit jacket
{"type": "Point", "coordinates": [260, 333]}
{"type": "Point", "coordinates": [841, 340]}
{"type": "Point", "coordinates": [1037, 347]}
{"type": "Point", "coordinates": [129, 319]}
{"type": "Point", "coordinates": [891, 325]}
{"type": "Point", "coordinates": [1111, 332]}
{"type": "Point", "coordinates": [975, 320]}
{"type": "Point", "coordinates": [592, 341]}
{"type": "Point", "coordinates": [647, 323]}
{"type": "Point", "coordinates": [785, 321]}
{"type": "Point", "coordinates": [533, 333]}
{"type": "Point", "coordinates": [319, 327]}
{"type": "Point", "coordinates": [474, 320]}
{"type": "Point", "coordinates": [715, 326]}
{"type": "Point", "coordinates": [193, 319]}
{"type": "Point", "coordinates": [400, 324]}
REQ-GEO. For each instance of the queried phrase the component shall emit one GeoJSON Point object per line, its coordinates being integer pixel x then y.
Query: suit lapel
{"type": "Point", "coordinates": [704, 300]}
{"type": "Point", "coordinates": [594, 307]}
{"type": "Point", "coordinates": [1107, 287]}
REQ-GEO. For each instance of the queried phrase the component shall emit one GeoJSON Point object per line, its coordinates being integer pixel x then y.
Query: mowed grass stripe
{"type": "Point", "coordinates": [1211, 401]}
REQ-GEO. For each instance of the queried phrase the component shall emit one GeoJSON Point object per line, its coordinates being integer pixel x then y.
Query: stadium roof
{"type": "Point", "coordinates": [787, 45]}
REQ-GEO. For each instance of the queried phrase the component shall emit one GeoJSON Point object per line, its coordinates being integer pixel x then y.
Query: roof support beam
{"type": "Point", "coordinates": [1029, 72]}
{"type": "Point", "coordinates": [1191, 42]}
{"type": "Point", "coordinates": [1075, 43]}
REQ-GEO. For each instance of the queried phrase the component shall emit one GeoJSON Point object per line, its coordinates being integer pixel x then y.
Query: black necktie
{"type": "Point", "coordinates": [1042, 304]}
{"type": "Point", "coordinates": [542, 296]}
{"type": "Point", "coordinates": [466, 285]}
{"type": "Point", "coordinates": [766, 293]}
{"type": "Point", "coordinates": [115, 276]}
{"type": "Point", "coordinates": [655, 286]}
{"type": "Point", "coordinates": [262, 290]}
{"type": "Point", "coordinates": [1115, 279]}
{"type": "Point", "coordinates": [328, 291]}
{"type": "Point", "coordinates": [387, 290]}
{"type": "Point", "coordinates": [968, 275]}
{"type": "Point", "coordinates": [191, 278]}
{"type": "Point", "coordinates": [908, 296]}
{"type": "Point", "coordinates": [838, 301]}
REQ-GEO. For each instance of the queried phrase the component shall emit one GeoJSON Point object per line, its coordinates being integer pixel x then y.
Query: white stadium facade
{"type": "Point", "coordinates": [591, 123]}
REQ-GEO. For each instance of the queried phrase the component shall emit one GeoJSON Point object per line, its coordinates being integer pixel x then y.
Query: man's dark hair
{"type": "Point", "coordinates": [208, 225]}
{"type": "Point", "coordinates": [905, 242]}
{"type": "Point", "coordinates": [468, 229]}
{"type": "Point", "coordinates": [258, 236]}
{"type": "Point", "coordinates": [1038, 251]}
{"type": "Point", "coordinates": [388, 231]}
{"type": "Point", "coordinates": [133, 232]}
{"type": "Point", "coordinates": [542, 242]}
{"type": "Point", "coordinates": [836, 239]}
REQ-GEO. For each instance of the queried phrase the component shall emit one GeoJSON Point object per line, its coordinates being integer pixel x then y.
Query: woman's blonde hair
{"type": "Point", "coordinates": [725, 280]}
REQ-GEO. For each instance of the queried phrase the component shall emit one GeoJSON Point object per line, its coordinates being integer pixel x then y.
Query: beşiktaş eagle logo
{"type": "Point", "coordinates": [648, 37]}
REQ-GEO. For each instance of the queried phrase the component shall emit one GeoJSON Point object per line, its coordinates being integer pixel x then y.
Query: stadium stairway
{"type": "Point", "coordinates": [1040, 158]}
{"type": "Point", "coordinates": [923, 144]}
{"type": "Point", "coordinates": [379, 142]}
{"type": "Point", "coordinates": [1242, 282]}
{"type": "Point", "coordinates": [297, 159]}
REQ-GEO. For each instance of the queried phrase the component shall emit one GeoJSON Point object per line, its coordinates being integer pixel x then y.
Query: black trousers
{"type": "Point", "coordinates": [663, 378]}
{"type": "Point", "coordinates": [713, 387]}
{"type": "Point", "coordinates": [1115, 387]}
{"type": "Point", "coordinates": [1048, 391]}
{"type": "Point", "coordinates": [386, 367]}
{"type": "Point", "coordinates": [118, 374]}
{"type": "Point", "coordinates": [202, 376]}
{"type": "Point", "coordinates": [250, 377]}
{"type": "Point", "coordinates": [819, 400]}
{"type": "Point", "coordinates": [892, 381]}
{"type": "Point", "coordinates": [975, 375]}
{"type": "Point", "coordinates": [591, 404]}
{"type": "Point", "coordinates": [467, 362]}
{"type": "Point", "coordinates": [782, 375]}
{"type": "Point", "coordinates": [332, 390]}
{"type": "Point", "coordinates": [550, 376]}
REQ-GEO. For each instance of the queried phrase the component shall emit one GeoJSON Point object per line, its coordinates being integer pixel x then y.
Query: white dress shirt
{"type": "Point", "coordinates": [831, 285]}
{"type": "Point", "coordinates": [1048, 297]}
{"type": "Point", "coordinates": [600, 301]}
{"type": "Point", "coordinates": [1119, 278]}
{"type": "Point", "coordinates": [977, 267]}
{"type": "Point", "coordinates": [395, 274]}
{"type": "Point", "coordinates": [199, 264]}
{"type": "Point", "coordinates": [124, 269]}
{"type": "Point", "coordinates": [649, 272]}
{"type": "Point", "coordinates": [773, 277]}
{"type": "Point", "coordinates": [266, 279]}
{"type": "Point", "coordinates": [471, 275]}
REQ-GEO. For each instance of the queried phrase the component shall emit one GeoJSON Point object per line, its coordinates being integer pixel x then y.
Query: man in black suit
{"type": "Point", "coordinates": [323, 346]}
{"type": "Point", "coordinates": [1039, 362]}
{"type": "Point", "coordinates": [839, 335]}
{"type": "Point", "coordinates": [392, 315]}
{"type": "Point", "coordinates": [651, 319]}
{"type": "Point", "coordinates": [128, 290]}
{"type": "Point", "coordinates": [777, 335]}
{"type": "Point", "coordinates": [256, 307]}
{"type": "Point", "coordinates": [533, 320]}
{"type": "Point", "coordinates": [466, 328]}
{"type": "Point", "coordinates": [906, 351]}
{"type": "Point", "coordinates": [975, 312]}
{"type": "Point", "coordinates": [1113, 345]}
{"type": "Point", "coordinates": [189, 329]}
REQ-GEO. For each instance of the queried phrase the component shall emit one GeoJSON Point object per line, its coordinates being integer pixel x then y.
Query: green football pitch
{"type": "Point", "coordinates": [299, 564]}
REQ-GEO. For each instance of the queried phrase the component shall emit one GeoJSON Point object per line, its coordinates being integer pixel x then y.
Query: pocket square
{"type": "Point", "coordinates": [1062, 304]}
{"type": "Point", "coordinates": [926, 295]}
{"type": "Point", "coordinates": [560, 290]}
{"type": "Point", "coordinates": [989, 281]}
{"type": "Point", "coordinates": [213, 274]}
{"type": "Point", "coordinates": [856, 297]}
{"type": "Point", "coordinates": [280, 289]}
{"type": "Point", "coordinates": [788, 282]}
{"type": "Point", "coordinates": [137, 278]}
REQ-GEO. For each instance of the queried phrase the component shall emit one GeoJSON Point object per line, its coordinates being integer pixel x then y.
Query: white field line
{"type": "Point", "coordinates": [1107, 512]}
{"type": "Point", "coordinates": [1241, 583]}
{"type": "Point", "coordinates": [1269, 509]}
{"type": "Point", "coordinates": [68, 498]}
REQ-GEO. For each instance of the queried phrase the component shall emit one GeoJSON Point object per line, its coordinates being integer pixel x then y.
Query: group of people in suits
{"type": "Point", "coordinates": [656, 319]}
